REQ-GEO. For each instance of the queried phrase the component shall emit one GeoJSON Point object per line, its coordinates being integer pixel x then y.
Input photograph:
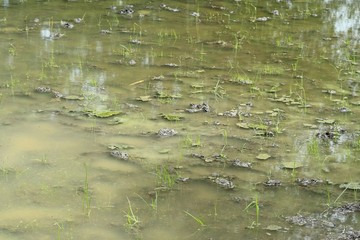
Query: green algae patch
{"type": "Point", "coordinates": [351, 185]}
{"type": "Point", "coordinates": [263, 156]}
{"type": "Point", "coordinates": [292, 165]}
{"type": "Point", "coordinates": [172, 117]}
{"type": "Point", "coordinates": [103, 114]}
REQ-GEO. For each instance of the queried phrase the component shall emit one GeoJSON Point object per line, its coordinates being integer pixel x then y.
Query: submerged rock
{"type": "Point", "coordinates": [225, 183]}
{"type": "Point", "coordinates": [308, 182]}
{"type": "Point", "coordinates": [238, 163]}
{"type": "Point", "coordinates": [194, 108]}
{"type": "Point", "coordinates": [127, 10]}
{"type": "Point", "coordinates": [119, 155]}
{"type": "Point", "coordinates": [230, 113]}
{"type": "Point", "coordinates": [301, 220]}
{"type": "Point", "coordinates": [350, 234]}
{"type": "Point", "coordinates": [166, 132]}
{"type": "Point", "coordinates": [43, 89]}
{"type": "Point", "coordinates": [66, 24]}
{"type": "Point", "coordinates": [332, 133]}
{"type": "Point", "coordinates": [262, 19]}
{"type": "Point", "coordinates": [272, 183]}
{"type": "Point", "coordinates": [329, 220]}
{"type": "Point", "coordinates": [164, 6]}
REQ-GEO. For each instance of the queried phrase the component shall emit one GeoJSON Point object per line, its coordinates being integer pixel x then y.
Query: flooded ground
{"type": "Point", "coordinates": [179, 120]}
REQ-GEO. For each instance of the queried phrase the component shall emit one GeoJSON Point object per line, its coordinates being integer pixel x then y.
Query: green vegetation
{"type": "Point", "coordinates": [313, 148]}
{"type": "Point", "coordinates": [172, 117]}
{"type": "Point", "coordinates": [190, 141]}
{"type": "Point", "coordinates": [196, 219]}
{"type": "Point", "coordinates": [219, 91]}
{"type": "Point", "coordinates": [254, 204]}
{"type": "Point", "coordinates": [165, 178]}
{"type": "Point", "coordinates": [86, 194]}
{"type": "Point", "coordinates": [132, 221]}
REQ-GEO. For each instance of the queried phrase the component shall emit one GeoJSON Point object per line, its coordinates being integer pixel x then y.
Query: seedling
{"type": "Point", "coordinates": [165, 178]}
{"type": "Point", "coordinates": [255, 204]}
{"type": "Point", "coordinates": [132, 221]}
{"type": "Point", "coordinates": [196, 219]}
{"type": "Point", "coordinates": [86, 194]}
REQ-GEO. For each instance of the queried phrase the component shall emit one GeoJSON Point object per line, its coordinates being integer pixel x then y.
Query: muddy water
{"type": "Point", "coordinates": [280, 77]}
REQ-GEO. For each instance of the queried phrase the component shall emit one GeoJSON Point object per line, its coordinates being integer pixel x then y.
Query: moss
{"type": "Point", "coordinates": [104, 113]}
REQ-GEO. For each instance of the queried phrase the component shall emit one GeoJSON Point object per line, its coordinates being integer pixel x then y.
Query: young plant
{"type": "Point", "coordinates": [196, 219]}
{"type": "Point", "coordinates": [189, 141]}
{"type": "Point", "coordinates": [255, 204]}
{"type": "Point", "coordinates": [219, 91]}
{"type": "Point", "coordinates": [313, 148]}
{"type": "Point", "coordinates": [132, 221]}
{"type": "Point", "coordinates": [165, 178]}
{"type": "Point", "coordinates": [86, 194]}
{"type": "Point", "coordinates": [154, 201]}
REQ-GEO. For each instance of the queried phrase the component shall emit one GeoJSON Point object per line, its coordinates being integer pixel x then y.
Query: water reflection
{"type": "Point", "coordinates": [6, 3]}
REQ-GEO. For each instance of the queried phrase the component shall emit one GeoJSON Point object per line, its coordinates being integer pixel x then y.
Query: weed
{"type": "Point", "coordinates": [255, 204]}
{"type": "Point", "coordinates": [12, 49]}
{"type": "Point", "coordinates": [313, 148]}
{"type": "Point", "coordinates": [355, 144]}
{"type": "Point", "coordinates": [189, 141]}
{"type": "Point", "coordinates": [50, 63]}
{"type": "Point", "coordinates": [302, 93]}
{"type": "Point", "coordinates": [43, 160]}
{"type": "Point", "coordinates": [238, 41]}
{"type": "Point", "coordinates": [219, 91]}
{"type": "Point", "coordinates": [198, 220]}
{"type": "Point", "coordinates": [225, 137]}
{"type": "Point", "coordinates": [13, 84]}
{"type": "Point", "coordinates": [165, 178]}
{"type": "Point", "coordinates": [86, 194]}
{"type": "Point", "coordinates": [132, 221]}
{"type": "Point", "coordinates": [60, 229]}
{"type": "Point", "coordinates": [154, 201]}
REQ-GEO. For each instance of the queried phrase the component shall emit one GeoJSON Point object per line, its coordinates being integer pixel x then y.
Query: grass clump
{"type": "Point", "coordinates": [254, 204]}
{"type": "Point", "coordinates": [132, 221]}
{"type": "Point", "coordinates": [165, 177]}
{"type": "Point", "coordinates": [313, 148]}
{"type": "Point", "coordinates": [190, 141]}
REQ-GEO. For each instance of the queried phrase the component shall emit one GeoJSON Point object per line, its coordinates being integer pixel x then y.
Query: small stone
{"type": "Point", "coordinates": [272, 182]}
{"type": "Point", "coordinates": [238, 163]}
{"type": "Point", "coordinates": [166, 132]}
{"type": "Point", "coordinates": [119, 155]}
{"type": "Point", "coordinates": [225, 183]}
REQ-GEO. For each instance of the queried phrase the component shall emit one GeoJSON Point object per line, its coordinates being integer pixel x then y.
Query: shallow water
{"type": "Point", "coordinates": [294, 73]}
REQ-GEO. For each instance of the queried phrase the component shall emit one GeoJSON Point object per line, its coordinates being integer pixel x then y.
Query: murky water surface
{"type": "Point", "coordinates": [258, 102]}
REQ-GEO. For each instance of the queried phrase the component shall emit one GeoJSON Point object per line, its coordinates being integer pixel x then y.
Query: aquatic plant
{"type": "Point", "coordinates": [254, 204]}
{"type": "Point", "coordinates": [154, 201]}
{"type": "Point", "coordinates": [313, 148]}
{"type": "Point", "coordinates": [50, 62]}
{"type": "Point", "coordinates": [172, 117]}
{"type": "Point", "coordinates": [60, 229]}
{"type": "Point", "coordinates": [238, 40]}
{"type": "Point", "coordinates": [164, 177]}
{"type": "Point", "coordinates": [86, 194]}
{"type": "Point", "coordinates": [196, 219]}
{"type": "Point", "coordinates": [190, 141]}
{"type": "Point", "coordinates": [43, 160]}
{"type": "Point", "coordinates": [12, 49]}
{"type": "Point", "coordinates": [219, 91]}
{"type": "Point", "coordinates": [355, 144]}
{"type": "Point", "coordinates": [132, 221]}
